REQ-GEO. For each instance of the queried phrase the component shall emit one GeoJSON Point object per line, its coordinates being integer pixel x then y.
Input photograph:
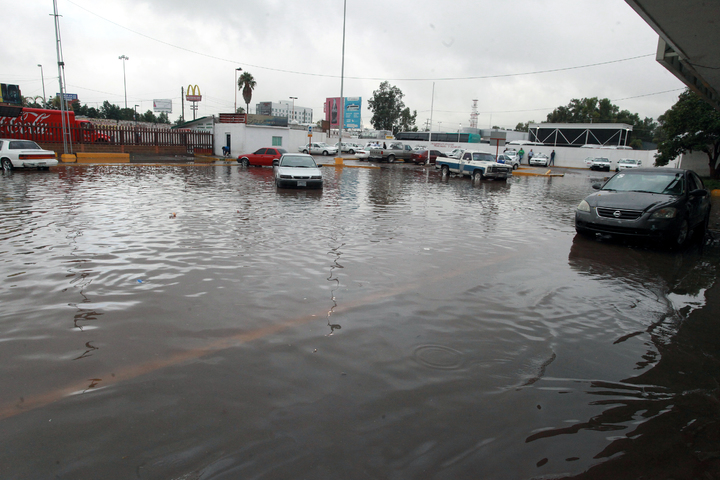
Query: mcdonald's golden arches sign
{"type": "Point", "coordinates": [193, 94]}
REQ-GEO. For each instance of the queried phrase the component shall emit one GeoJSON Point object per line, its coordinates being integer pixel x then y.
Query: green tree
{"type": "Point", "coordinates": [690, 125]}
{"type": "Point", "coordinates": [163, 118]}
{"type": "Point", "coordinates": [240, 110]}
{"type": "Point", "coordinates": [128, 114]}
{"type": "Point", "coordinates": [247, 84]}
{"type": "Point", "coordinates": [407, 121]}
{"type": "Point", "coordinates": [387, 107]}
{"type": "Point", "coordinates": [148, 116]}
{"type": "Point", "coordinates": [523, 127]}
{"type": "Point", "coordinates": [110, 111]}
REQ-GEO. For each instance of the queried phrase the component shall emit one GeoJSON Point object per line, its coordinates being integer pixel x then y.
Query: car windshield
{"type": "Point", "coordinates": [300, 161]}
{"type": "Point", "coordinates": [23, 145]}
{"type": "Point", "coordinates": [665, 183]}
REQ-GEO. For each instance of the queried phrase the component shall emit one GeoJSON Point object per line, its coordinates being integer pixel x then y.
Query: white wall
{"type": "Point", "coordinates": [696, 161]}
{"type": "Point", "coordinates": [247, 139]}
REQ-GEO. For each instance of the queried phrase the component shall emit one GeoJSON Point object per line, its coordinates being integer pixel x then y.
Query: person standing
{"type": "Point", "coordinates": [552, 159]}
{"type": "Point", "coordinates": [530, 155]}
{"type": "Point", "coordinates": [521, 154]}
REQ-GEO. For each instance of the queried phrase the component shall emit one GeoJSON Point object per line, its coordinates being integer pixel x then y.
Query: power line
{"type": "Point", "coordinates": [442, 79]}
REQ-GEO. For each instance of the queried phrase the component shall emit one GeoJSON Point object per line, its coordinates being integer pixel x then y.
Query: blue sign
{"type": "Point", "coordinates": [353, 112]}
{"type": "Point", "coordinates": [69, 97]}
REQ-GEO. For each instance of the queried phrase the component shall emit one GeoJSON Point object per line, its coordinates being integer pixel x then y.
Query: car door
{"type": "Point", "coordinates": [270, 155]}
{"type": "Point", "coordinates": [256, 158]}
{"type": "Point", "coordinates": [698, 206]}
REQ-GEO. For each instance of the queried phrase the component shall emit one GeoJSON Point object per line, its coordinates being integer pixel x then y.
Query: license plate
{"type": "Point", "coordinates": [302, 183]}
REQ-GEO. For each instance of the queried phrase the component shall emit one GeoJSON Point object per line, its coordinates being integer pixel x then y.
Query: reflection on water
{"type": "Point", "coordinates": [197, 322]}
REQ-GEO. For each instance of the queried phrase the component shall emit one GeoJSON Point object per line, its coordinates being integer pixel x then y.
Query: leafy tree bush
{"type": "Point", "coordinates": [690, 125]}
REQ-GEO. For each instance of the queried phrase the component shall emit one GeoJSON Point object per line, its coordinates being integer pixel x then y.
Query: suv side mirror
{"type": "Point", "coordinates": [596, 186]}
{"type": "Point", "coordinates": [699, 193]}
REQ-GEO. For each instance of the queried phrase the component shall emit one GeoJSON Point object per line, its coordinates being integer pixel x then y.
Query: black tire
{"type": "Point", "coordinates": [515, 166]}
{"type": "Point", "coordinates": [679, 239]}
{"type": "Point", "coordinates": [244, 162]}
{"type": "Point", "coordinates": [276, 162]}
{"type": "Point", "coordinates": [7, 164]}
{"type": "Point", "coordinates": [325, 153]}
{"type": "Point", "coordinates": [445, 170]}
{"type": "Point", "coordinates": [391, 159]}
{"type": "Point", "coordinates": [305, 151]}
{"type": "Point", "coordinates": [477, 176]}
{"type": "Point", "coordinates": [351, 152]}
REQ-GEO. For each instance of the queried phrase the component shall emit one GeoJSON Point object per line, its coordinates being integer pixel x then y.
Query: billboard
{"type": "Point", "coordinates": [163, 105]}
{"type": "Point", "coordinates": [69, 97]}
{"type": "Point", "coordinates": [351, 116]}
{"type": "Point", "coordinates": [353, 112]}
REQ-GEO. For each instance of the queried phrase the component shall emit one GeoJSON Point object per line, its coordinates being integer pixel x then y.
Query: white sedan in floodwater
{"type": "Point", "coordinates": [298, 170]}
{"type": "Point", "coordinates": [25, 154]}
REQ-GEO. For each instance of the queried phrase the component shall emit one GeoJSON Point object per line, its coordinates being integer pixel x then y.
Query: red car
{"type": "Point", "coordinates": [421, 156]}
{"type": "Point", "coordinates": [268, 157]}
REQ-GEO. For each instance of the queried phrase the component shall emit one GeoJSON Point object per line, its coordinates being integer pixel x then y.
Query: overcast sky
{"type": "Point", "coordinates": [471, 49]}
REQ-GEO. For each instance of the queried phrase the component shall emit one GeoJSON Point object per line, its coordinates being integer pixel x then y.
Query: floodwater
{"type": "Point", "coordinates": [193, 322]}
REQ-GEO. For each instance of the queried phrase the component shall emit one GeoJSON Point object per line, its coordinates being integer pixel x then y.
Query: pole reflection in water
{"type": "Point", "coordinates": [335, 280]}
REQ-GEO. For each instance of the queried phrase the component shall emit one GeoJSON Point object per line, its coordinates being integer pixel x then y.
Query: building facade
{"type": "Point", "coordinates": [284, 108]}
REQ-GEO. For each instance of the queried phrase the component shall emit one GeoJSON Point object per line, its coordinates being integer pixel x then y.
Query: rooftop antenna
{"type": "Point", "coordinates": [474, 115]}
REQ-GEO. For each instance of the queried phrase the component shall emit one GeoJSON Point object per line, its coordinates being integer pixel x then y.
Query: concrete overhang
{"type": "Point", "coordinates": [689, 44]}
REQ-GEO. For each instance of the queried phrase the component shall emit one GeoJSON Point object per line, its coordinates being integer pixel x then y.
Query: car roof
{"type": "Point", "coordinates": [636, 171]}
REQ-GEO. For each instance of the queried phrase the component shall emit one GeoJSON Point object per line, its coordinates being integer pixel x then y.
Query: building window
{"type": "Point", "coordinates": [277, 141]}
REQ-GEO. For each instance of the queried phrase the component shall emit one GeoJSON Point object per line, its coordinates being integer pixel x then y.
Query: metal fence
{"type": "Point", "coordinates": [88, 133]}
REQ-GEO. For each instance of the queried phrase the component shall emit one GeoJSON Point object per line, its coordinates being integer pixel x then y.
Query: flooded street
{"type": "Point", "coordinates": [194, 322]}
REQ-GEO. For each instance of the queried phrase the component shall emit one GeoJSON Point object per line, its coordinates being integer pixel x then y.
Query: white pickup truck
{"type": "Point", "coordinates": [478, 165]}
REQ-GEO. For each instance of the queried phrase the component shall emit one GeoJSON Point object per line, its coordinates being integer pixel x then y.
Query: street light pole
{"type": "Point", "coordinates": [237, 87]}
{"type": "Point", "coordinates": [459, 127]}
{"type": "Point", "coordinates": [136, 114]}
{"type": "Point", "coordinates": [43, 82]}
{"type": "Point", "coordinates": [293, 110]}
{"type": "Point", "coordinates": [123, 58]}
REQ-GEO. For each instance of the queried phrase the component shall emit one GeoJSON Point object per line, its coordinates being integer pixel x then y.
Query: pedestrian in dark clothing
{"type": "Point", "coordinates": [552, 158]}
{"type": "Point", "coordinates": [530, 155]}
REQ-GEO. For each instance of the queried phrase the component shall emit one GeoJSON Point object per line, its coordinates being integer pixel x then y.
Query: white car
{"type": "Point", "coordinates": [624, 163]}
{"type": "Point", "coordinates": [455, 152]}
{"type": "Point", "coordinates": [298, 170]}
{"type": "Point", "coordinates": [25, 154]}
{"type": "Point", "coordinates": [598, 163]}
{"type": "Point", "coordinates": [540, 160]}
{"type": "Point", "coordinates": [362, 154]}
{"type": "Point", "coordinates": [509, 160]}
{"type": "Point", "coordinates": [350, 147]}
{"type": "Point", "coordinates": [320, 148]}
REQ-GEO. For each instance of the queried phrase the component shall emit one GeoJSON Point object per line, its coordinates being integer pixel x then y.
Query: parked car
{"type": "Point", "coordinates": [540, 160]}
{"type": "Point", "coordinates": [320, 148]}
{"type": "Point", "coordinates": [455, 153]}
{"type": "Point", "coordinates": [598, 163]}
{"type": "Point", "coordinates": [392, 151]}
{"type": "Point", "coordinates": [362, 153]}
{"type": "Point", "coordinates": [298, 170]}
{"type": "Point", "coordinates": [506, 159]}
{"type": "Point", "coordinates": [350, 147]}
{"type": "Point", "coordinates": [267, 157]}
{"type": "Point", "coordinates": [25, 154]}
{"type": "Point", "coordinates": [624, 163]}
{"type": "Point", "coordinates": [478, 165]}
{"type": "Point", "coordinates": [666, 204]}
{"type": "Point", "coordinates": [421, 156]}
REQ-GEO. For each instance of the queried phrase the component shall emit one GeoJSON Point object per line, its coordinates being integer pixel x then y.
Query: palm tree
{"type": "Point", "coordinates": [246, 83]}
